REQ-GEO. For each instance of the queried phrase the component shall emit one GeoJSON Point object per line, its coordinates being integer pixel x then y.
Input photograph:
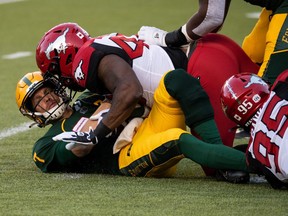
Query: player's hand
{"type": "Point", "coordinates": [86, 138]}
{"type": "Point", "coordinates": [152, 35]}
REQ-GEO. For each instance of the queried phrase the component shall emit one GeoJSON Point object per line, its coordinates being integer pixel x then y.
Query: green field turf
{"type": "Point", "coordinates": [26, 191]}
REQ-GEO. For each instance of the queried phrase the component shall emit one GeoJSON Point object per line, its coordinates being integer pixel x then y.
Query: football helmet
{"type": "Point", "coordinates": [25, 89]}
{"type": "Point", "coordinates": [57, 49]}
{"type": "Point", "coordinates": [241, 97]}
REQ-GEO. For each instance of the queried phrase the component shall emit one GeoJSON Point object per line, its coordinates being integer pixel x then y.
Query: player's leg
{"type": "Point", "coordinates": [194, 103]}
{"type": "Point", "coordinates": [166, 115]}
{"type": "Point", "coordinates": [154, 155]}
{"type": "Point", "coordinates": [157, 154]}
{"type": "Point", "coordinates": [154, 151]}
{"type": "Point", "coordinates": [179, 100]}
{"type": "Point", "coordinates": [215, 156]}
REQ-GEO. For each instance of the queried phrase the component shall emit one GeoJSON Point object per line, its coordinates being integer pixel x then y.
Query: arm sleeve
{"type": "Point", "coordinates": [215, 15]}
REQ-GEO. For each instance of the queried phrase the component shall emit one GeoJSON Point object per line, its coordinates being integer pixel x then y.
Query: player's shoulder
{"type": "Point", "coordinates": [83, 49]}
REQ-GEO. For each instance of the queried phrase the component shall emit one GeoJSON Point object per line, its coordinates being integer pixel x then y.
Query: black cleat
{"type": "Point", "coordinates": [232, 176]}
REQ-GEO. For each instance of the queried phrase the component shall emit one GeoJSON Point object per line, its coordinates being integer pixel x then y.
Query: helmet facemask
{"type": "Point", "coordinates": [54, 113]}
{"type": "Point", "coordinates": [61, 84]}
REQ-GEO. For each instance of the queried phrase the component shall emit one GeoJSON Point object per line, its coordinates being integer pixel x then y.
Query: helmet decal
{"type": "Point", "coordinates": [255, 80]}
{"type": "Point", "coordinates": [27, 81]}
{"type": "Point", "coordinates": [59, 44]}
{"type": "Point", "coordinates": [79, 75]}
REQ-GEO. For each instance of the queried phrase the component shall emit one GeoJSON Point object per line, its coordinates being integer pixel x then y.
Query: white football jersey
{"type": "Point", "coordinates": [149, 63]}
{"type": "Point", "coordinates": [269, 136]}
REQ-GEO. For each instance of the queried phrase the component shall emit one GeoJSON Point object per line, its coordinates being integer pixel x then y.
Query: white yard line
{"type": "Point", "coordinates": [24, 126]}
{"type": "Point", "coordinates": [14, 130]}
{"type": "Point", "coordinates": [253, 15]}
{"type": "Point", "coordinates": [9, 1]}
{"type": "Point", "coordinates": [20, 54]}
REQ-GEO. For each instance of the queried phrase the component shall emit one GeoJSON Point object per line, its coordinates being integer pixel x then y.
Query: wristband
{"type": "Point", "coordinates": [101, 131]}
{"type": "Point", "coordinates": [184, 31]}
{"type": "Point", "coordinates": [176, 38]}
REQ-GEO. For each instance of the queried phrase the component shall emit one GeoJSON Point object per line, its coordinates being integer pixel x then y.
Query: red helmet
{"type": "Point", "coordinates": [58, 47]}
{"type": "Point", "coordinates": [241, 97]}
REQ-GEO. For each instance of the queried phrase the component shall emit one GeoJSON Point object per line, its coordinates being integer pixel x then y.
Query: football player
{"type": "Point", "coordinates": [150, 148]}
{"type": "Point", "coordinates": [47, 102]}
{"type": "Point", "coordinates": [248, 101]}
{"type": "Point", "coordinates": [111, 63]}
{"type": "Point", "coordinates": [129, 68]}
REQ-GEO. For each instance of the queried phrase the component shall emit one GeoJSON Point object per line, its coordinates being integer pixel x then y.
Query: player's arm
{"type": "Point", "coordinates": [120, 79]}
{"type": "Point", "coordinates": [209, 18]}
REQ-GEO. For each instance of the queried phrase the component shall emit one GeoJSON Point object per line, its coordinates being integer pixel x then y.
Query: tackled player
{"type": "Point", "coordinates": [151, 149]}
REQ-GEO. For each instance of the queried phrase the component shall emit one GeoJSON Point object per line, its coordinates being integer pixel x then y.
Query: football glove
{"type": "Point", "coordinates": [152, 35]}
{"type": "Point", "coordinates": [86, 138]}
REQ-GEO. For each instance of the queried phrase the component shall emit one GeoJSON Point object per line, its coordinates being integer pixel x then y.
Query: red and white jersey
{"type": "Point", "coordinates": [269, 136]}
{"type": "Point", "coordinates": [149, 62]}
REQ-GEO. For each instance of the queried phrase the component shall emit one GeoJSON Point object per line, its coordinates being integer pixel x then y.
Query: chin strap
{"type": "Point", "coordinates": [56, 112]}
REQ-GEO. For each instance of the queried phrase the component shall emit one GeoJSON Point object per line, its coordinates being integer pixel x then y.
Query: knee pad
{"type": "Point", "coordinates": [191, 96]}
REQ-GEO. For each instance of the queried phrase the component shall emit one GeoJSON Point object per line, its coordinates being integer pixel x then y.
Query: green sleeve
{"type": "Point", "coordinates": [51, 156]}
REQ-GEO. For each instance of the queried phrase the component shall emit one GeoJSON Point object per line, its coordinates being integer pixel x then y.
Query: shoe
{"type": "Point", "coordinates": [232, 176]}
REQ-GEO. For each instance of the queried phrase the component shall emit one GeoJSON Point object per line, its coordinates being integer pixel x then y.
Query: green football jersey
{"type": "Point", "coordinates": [52, 156]}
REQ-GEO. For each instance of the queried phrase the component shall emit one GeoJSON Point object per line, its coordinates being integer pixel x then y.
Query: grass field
{"type": "Point", "coordinates": [26, 191]}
